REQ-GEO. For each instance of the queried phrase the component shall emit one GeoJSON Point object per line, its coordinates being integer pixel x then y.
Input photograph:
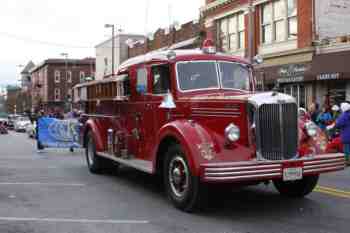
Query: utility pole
{"type": "Point", "coordinates": [113, 46]}
{"type": "Point", "coordinates": [66, 100]}
{"type": "Point", "coordinates": [251, 31]}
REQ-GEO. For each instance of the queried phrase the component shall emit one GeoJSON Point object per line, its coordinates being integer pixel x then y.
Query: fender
{"type": "Point", "coordinates": [91, 125]}
{"type": "Point", "coordinates": [189, 135]}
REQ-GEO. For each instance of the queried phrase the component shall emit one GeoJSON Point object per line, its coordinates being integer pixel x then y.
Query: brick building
{"type": "Point", "coordinates": [13, 102]}
{"type": "Point", "coordinates": [287, 36]}
{"type": "Point", "coordinates": [183, 36]}
{"type": "Point", "coordinates": [53, 80]}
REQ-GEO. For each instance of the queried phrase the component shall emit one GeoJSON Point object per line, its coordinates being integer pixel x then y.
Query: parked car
{"type": "Point", "coordinates": [21, 124]}
{"type": "Point", "coordinates": [31, 130]}
{"type": "Point", "coordinates": [11, 121]}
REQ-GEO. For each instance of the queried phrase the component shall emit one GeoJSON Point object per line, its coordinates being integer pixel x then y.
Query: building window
{"type": "Point", "coordinates": [231, 33]}
{"type": "Point", "coordinates": [82, 76]}
{"type": "Point", "coordinates": [69, 76]}
{"type": "Point", "coordinates": [57, 76]}
{"type": "Point", "coordinates": [57, 94]}
{"type": "Point", "coordinates": [279, 21]}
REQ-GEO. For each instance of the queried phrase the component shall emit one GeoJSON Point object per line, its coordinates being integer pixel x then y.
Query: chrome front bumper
{"type": "Point", "coordinates": [267, 170]}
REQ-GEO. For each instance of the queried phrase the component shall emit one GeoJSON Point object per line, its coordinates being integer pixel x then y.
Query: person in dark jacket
{"type": "Point", "coordinates": [39, 146]}
{"type": "Point", "coordinates": [343, 123]}
{"type": "Point", "coordinates": [314, 112]}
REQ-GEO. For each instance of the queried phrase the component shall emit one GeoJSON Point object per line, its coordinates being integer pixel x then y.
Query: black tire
{"type": "Point", "coordinates": [96, 164]}
{"type": "Point", "coordinates": [193, 197]}
{"type": "Point", "coordinates": [298, 188]}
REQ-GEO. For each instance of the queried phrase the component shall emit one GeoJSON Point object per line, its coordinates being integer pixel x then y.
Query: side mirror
{"type": "Point", "coordinates": [258, 59]}
{"type": "Point", "coordinates": [168, 102]}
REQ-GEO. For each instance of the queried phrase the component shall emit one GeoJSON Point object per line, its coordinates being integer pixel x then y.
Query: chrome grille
{"type": "Point", "coordinates": [277, 131]}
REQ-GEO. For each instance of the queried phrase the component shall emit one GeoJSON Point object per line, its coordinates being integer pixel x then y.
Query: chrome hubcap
{"type": "Point", "coordinates": [178, 176]}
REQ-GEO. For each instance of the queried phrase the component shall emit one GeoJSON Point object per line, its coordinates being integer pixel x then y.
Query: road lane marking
{"type": "Point", "coordinates": [42, 184]}
{"type": "Point", "coordinates": [332, 192]}
{"type": "Point", "coordinates": [67, 220]}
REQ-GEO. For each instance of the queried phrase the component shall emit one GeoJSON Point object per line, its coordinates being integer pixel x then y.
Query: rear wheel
{"type": "Point", "coordinates": [96, 163]}
{"type": "Point", "coordinates": [298, 188]}
{"type": "Point", "coordinates": [184, 190]}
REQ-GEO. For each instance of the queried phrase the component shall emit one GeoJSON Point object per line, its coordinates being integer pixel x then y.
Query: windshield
{"type": "Point", "coordinates": [23, 119]}
{"type": "Point", "coordinates": [234, 76]}
{"type": "Point", "coordinates": [201, 75]}
{"type": "Point", "coordinates": [197, 75]}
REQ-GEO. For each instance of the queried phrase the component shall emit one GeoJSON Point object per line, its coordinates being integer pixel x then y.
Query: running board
{"type": "Point", "coordinates": [139, 164]}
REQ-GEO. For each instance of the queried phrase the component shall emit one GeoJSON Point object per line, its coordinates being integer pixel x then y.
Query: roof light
{"type": "Point", "coordinates": [208, 46]}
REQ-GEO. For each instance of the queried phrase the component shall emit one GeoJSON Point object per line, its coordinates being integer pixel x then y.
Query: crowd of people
{"type": "Point", "coordinates": [335, 122]}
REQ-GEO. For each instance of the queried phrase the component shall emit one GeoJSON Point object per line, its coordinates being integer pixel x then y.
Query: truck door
{"type": "Point", "coordinates": [152, 83]}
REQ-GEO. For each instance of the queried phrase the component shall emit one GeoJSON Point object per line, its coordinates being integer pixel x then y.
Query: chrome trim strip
{"type": "Point", "coordinates": [242, 177]}
{"type": "Point", "coordinates": [323, 165]}
{"type": "Point", "coordinates": [222, 169]}
{"type": "Point", "coordinates": [325, 169]}
{"type": "Point", "coordinates": [214, 112]}
{"type": "Point", "coordinates": [220, 174]}
{"type": "Point", "coordinates": [270, 162]}
{"type": "Point", "coordinates": [233, 109]}
{"type": "Point", "coordinates": [323, 161]}
{"type": "Point", "coordinates": [213, 115]}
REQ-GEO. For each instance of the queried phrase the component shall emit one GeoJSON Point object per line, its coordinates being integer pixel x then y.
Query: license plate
{"type": "Point", "coordinates": [292, 173]}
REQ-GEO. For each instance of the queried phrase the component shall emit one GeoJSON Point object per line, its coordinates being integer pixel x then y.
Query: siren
{"type": "Point", "coordinates": [208, 46]}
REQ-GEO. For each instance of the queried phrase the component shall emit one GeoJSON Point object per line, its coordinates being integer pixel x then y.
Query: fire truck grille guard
{"type": "Point", "coordinates": [277, 131]}
{"type": "Point", "coordinates": [269, 170]}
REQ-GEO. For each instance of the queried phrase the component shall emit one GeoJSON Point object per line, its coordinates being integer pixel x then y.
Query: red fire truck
{"type": "Point", "coordinates": [194, 118]}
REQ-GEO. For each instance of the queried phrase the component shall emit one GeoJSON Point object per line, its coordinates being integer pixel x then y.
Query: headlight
{"type": "Point", "coordinates": [311, 129]}
{"type": "Point", "coordinates": [232, 132]}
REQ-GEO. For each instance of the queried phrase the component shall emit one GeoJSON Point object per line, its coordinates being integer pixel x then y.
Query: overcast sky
{"type": "Point", "coordinates": [40, 29]}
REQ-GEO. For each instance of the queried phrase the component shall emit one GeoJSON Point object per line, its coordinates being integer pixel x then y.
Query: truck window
{"type": "Point", "coordinates": [234, 76]}
{"type": "Point", "coordinates": [161, 79]}
{"type": "Point", "coordinates": [126, 86]}
{"type": "Point", "coordinates": [197, 75]}
{"type": "Point", "coordinates": [141, 82]}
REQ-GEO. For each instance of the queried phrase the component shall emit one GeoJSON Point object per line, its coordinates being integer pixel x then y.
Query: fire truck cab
{"type": "Point", "coordinates": [194, 117]}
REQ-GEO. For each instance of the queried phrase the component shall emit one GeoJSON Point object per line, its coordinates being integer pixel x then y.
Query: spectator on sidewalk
{"type": "Point", "coordinates": [39, 146]}
{"type": "Point", "coordinates": [343, 123]}
{"type": "Point", "coordinates": [324, 119]}
{"type": "Point", "coordinates": [314, 112]}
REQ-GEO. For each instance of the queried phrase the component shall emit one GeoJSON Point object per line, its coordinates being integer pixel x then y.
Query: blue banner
{"type": "Point", "coordinates": [54, 133]}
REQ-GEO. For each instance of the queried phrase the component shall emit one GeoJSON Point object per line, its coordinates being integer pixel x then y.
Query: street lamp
{"type": "Point", "coordinates": [112, 26]}
{"type": "Point", "coordinates": [65, 55]}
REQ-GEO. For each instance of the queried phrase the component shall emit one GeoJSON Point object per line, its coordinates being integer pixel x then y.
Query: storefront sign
{"type": "Point", "coordinates": [291, 73]}
{"type": "Point", "coordinates": [333, 76]}
{"type": "Point", "coordinates": [291, 79]}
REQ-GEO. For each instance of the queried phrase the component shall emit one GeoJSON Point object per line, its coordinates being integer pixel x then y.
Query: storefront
{"type": "Point", "coordinates": [292, 79]}
{"type": "Point", "coordinates": [331, 72]}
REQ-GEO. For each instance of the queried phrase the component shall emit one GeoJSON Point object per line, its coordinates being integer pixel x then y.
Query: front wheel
{"type": "Point", "coordinates": [184, 190]}
{"type": "Point", "coordinates": [96, 163]}
{"type": "Point", "coordinates": [298, 188]}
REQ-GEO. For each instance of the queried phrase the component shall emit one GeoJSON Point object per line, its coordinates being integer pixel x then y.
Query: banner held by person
{"type": "Point", "coordinates": [55, 133]}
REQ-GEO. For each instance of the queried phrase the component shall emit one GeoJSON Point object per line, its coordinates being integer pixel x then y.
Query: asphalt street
{"type": "Point", "coordinates": [54, 192]}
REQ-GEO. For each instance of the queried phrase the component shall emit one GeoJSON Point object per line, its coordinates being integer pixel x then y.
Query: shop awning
{"type": "Point", "coordinates": [330, 66]}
